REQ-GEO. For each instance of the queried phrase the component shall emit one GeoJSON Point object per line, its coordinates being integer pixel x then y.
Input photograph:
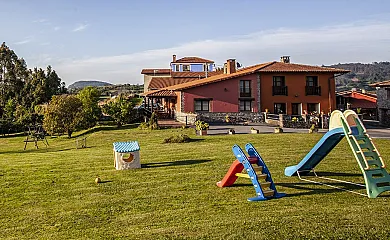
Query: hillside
{"type": "Point", "coordinates": [83, 84]}
{"type": "Point", "coordinates": [362, 74]}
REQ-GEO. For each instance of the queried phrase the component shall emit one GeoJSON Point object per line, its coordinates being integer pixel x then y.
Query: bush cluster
{"type": "Point", "coordinates": [181, 138]}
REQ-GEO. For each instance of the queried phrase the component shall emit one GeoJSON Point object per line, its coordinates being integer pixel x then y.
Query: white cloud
{"type": "Point", "coordinates": [56, 28]}
{"type": "Point", "coordinates": [42, 20]}
{"type": "Point", "coordinates": [80, 27]}
{"type": "Point", "coordinates": [25, 41]}
{"type": "Point", "coordinates": [358, 42]}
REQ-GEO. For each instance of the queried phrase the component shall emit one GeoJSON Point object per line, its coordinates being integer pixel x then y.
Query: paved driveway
{"type": "Point", "coordinates": [373, 130]}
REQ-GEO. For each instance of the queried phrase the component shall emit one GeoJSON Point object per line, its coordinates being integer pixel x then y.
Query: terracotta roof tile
{"type": "Point", "coordinates": [163, 82]}
{"type": "Point", "coordinates": [218, 78]}
{"type": "Point", "coordinates": [292, 67]}
{"type": "Point", "coordinates": [192, 60]}
{"type": "Point", "coordinates": [381, 84]}
{"type": "Point", "coordinates": [160, 93]}
{"type": "Point", "coordinates": [156, 70]}
{"type": "Point", "coordinates": [264, 67]}
{"type": "Point", "coordinates": [358, 95]}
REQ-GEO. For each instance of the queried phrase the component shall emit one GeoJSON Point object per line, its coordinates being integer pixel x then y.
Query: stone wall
{"type": "Point", "coordinates": [188, 118]}
{"type": "Point", "coordinates": [234, 117]}
{"type": "Point", "coordinates": [383, 107]}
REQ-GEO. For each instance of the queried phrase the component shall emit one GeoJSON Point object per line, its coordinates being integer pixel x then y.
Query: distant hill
{"type": "Point", "coordinates": [362, 74]}
{"type": "Point", "coordinates": [83, 84]}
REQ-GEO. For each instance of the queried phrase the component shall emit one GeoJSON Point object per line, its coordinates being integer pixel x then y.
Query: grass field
{"type": "Point", "coordinates": [51, 194]}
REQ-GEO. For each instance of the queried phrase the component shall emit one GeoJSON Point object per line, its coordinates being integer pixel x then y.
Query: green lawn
{"type": "Point", "coordinates": [51, 194]}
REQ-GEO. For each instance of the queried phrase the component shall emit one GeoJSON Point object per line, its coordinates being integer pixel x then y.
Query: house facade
{"type": "Point", "coordinates": [274, 87]}
{"type": "Point", "coordinates": [383, 101]}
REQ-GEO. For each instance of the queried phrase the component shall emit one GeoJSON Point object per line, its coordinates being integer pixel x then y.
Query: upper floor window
{"type": "Point", "coordinates": [205, 68]}
{"type": "Point", "coordinates": [312, 81]}
{"type": "Point", "coordinates": [186, 68]}
{"type": "Point", "coordinates": [202, 105]}
{"type": "Point", "coordinates": [245, 88]}
{"type": "Point", "coordinates": [278, 86]}
{"type": "Point", "coordinates": [278, 81]}
{"type": "Point", "coordinates": [177, 67]}
{"type": "Point", "coordinates": [312, 87]}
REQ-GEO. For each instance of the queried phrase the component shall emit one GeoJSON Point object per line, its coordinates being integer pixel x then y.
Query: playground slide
{"type": "Point", "coordinates": [319, 151]}
{"type": "Point", "coordinates": [230, 176]}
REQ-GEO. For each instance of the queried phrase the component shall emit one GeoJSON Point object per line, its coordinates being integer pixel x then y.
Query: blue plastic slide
{"type": "Point", "coordinates": [319, 151]}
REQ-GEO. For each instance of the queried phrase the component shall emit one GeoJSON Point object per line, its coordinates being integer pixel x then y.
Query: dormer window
{"type": "Point", "coordinates": [186, 68]}
{"type": "Point", "coordinates": [177, 67]}
{"type": "Point", "coordinates": [206, 68]}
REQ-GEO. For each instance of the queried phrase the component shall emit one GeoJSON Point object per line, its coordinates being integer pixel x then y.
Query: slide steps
{"type": "Point", "coordinates": [251, 167]}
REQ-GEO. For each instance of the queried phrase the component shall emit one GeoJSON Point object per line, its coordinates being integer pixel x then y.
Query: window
{"type": "Point", "coordinates": [205, 68]}
{"type": "Point", "coordinates": [202, 105]}
{"type": "Point", "coordinates": [313, 107]}
{"type": "Point", "coordinates": [312, 81]}
{"type": "Point", "coordinates": [278, 86]}
{"type": "Point", "coordinates": [245, 88]}
{"type": "Point", "coordinates": [279, 108]}
{"type": "Point", "coordinates": [278, 81]}
{"type": "Point", "coordinates": [245, 105]}
{"type": "Point", "coordinates": [312, 87]}
{"type": "Point", "coordinates": [177, 67]}
{"type": "Point", "coordinates": [186, 68]}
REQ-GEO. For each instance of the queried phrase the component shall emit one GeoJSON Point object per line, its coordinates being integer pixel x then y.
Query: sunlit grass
{"type": "Point", "coordinates": [50, 193]}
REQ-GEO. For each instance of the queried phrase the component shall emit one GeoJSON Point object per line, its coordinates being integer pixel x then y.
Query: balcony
{"type": "Point", "coordinates": [279, 90]}
{"type": "Point", "coordinates": [245, 94]}
{"type": "Point", "coordinates": [310, 90]}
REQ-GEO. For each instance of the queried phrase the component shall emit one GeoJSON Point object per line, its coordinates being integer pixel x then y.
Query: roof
{"type": "Point", "coordinates": [381, 84]}
{"type": "Point", "coordinates": [125, 147]}
{"type": "Point", "coordinates": [218, 78]}
{"type": "Point", "coordinates": [292, 67]}
{"type": "Point", "coordinates": [264, 67]}
{"type": "Point", "coordinates": [362, 103]}
{"type": "Point", "coordinates": [358, 95]}
{"type": "Point", "coordinates": [163, 82]}
{"type": "Point", "coordinates": [156, 71]}
{"type": "Point", "coordinates": [160, 93]}
{"type": "Point", "coordinates": [192, 60]}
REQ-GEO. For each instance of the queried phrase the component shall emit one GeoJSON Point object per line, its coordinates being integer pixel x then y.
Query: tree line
{"type": "Point", "coordinates": [362, 75]}
{"type": "Point", "coordinates": [37, 96]}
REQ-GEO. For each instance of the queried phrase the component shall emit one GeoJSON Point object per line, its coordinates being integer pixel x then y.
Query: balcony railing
{"type": "Point", "coordinates": [313, 91]}
{"type": "Point", "coordinates": [279, 90]}
{"type": "Point", "coordinates": [245, 94]}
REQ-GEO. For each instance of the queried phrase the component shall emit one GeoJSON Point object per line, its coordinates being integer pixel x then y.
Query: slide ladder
{"type": "Point", "coordinates": [256, 170]}
{"type": "Point", "coordinates": [376, 177]}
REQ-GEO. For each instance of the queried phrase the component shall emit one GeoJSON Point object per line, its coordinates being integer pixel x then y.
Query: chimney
{"type": "Point", "coordinates": [174, 58]}
{"type": "Point", "coordinates": [230, 66]}
{"type": "Point", "coordinates": [285, 59]}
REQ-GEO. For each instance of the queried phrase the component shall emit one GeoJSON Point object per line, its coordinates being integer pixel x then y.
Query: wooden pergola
{"type": "Point", "coordinates": [167, 98]}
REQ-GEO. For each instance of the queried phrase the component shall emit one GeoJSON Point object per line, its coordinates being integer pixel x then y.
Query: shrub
{"type": "Point", "coordinates": [201, 125]}
{"type": "Point", "coordinates": [181, 138]}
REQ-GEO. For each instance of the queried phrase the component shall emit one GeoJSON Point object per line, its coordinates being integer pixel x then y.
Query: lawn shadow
{"type": "Point", "coordinates": [40, 150]}
{"type": "Point", "coordinates": [173, 163]}
{"type": "Point", "coordinates": [106, 128]}
{"type": "Point", "coordinates": [341, 174]}
{"type": "Point", "coordinates": [310, 188]}
{"type": "Point", "coordinates": [107, 181]}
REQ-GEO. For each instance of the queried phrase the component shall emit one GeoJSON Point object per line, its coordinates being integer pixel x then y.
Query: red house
{"type": "Point", "coordinates": [276, 87]}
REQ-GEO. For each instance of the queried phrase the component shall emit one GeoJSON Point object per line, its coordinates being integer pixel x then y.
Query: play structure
{"type": "Point", "coordinates": [348, 125]}
{"type": "Point", "coordinates": [255, 170]}
{"type": "Point", "coordinates": [126, 155]}
{"type": "Point", "coordinates": [35, 134]}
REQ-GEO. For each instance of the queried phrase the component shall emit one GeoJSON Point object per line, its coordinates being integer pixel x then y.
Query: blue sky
{"type": "Point", "coordinates": [113, 40]}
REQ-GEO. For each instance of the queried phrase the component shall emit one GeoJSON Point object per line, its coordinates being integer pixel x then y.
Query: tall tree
{"type": "Point", "coordinates": [13, 74]}
{"type": "Point", "coordinates": [63, 114]}
{"type": "Point", "coordinates": [89, 97]}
